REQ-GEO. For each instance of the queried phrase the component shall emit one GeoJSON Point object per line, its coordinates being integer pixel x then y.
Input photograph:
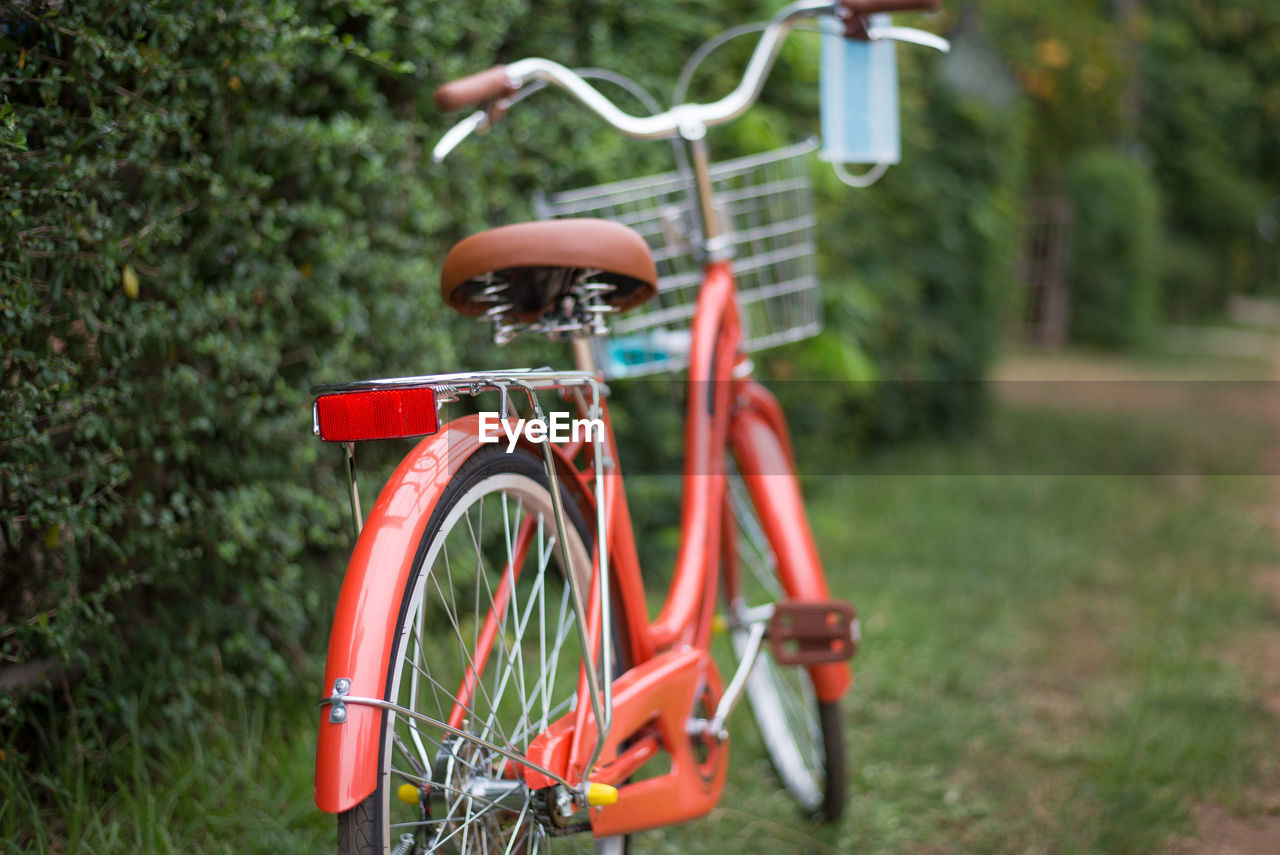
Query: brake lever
{"type": "Point", "coordinates": [482, 120]}
{"type": "Point", "coordinates": [459, 132]}
{"type": "Point", "coordinates": [910, 35]}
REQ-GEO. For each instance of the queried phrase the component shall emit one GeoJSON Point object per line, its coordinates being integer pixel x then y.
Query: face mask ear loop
{"type": "Point", "coordinates": [866, 179]}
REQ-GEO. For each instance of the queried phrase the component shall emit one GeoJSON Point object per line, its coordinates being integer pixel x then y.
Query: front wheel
{"type": "Point", "coordinates": [802, 735]}
{"type": "Point", "coordinates": [486, 642]}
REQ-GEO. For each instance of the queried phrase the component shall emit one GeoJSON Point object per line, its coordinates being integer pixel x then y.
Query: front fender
{"type": "Point", "coordinates": [762, 448]}
{"type": "Point", "coordinates": [363, 633]}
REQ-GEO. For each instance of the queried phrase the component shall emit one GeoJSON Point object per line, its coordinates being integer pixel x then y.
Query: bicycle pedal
{"type": "Point", "coordinates": [812, 632]}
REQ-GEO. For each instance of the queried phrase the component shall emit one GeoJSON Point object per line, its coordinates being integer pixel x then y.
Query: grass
{"type": "Point", "coordinates": [1038, 670]}
{"type": "Point", "coordinates": [239, 785]}
{"type": "Point", "coordinates": [1051, 663]}
{"type": "Point", "coordinates": [1051, 615]}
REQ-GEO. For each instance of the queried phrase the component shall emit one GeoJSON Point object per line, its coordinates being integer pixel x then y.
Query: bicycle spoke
{"type": "Point", "coordinates": [518, 824]}
{"type": "Point", "coordinates": [521, 626]}
{"type": "Point", "coordinates": [469, 664]}
{"type": "Point", "coordinates": [512, 612]}
{"type": "Point", "coordinates": [493, 563]}
{"type": "Point", "coordinates": [418, 767]}
{"type": "Point", "coordinates": [544, 694]}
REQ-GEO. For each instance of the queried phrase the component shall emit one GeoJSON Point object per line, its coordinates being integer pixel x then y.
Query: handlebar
{"type": "Point", "coordinates": [872, 7]}
{"type": "Point", "coordinates": [686, 120]}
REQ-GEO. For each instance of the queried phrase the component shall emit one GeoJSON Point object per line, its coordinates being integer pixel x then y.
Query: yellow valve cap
{"type": "Point", "coordinates": [601, 794]}
{"type": "Point", "coordinates": [719, 623]}
{"type": "Point", "coordinates": [408, 794]}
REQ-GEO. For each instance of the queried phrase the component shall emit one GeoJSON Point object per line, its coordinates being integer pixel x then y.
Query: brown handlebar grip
{"type": "Point", "coordinates": [474, 89]}
{"type": "Point", "coordinates": [871, 7]}
{"type": "Point", "coordinates": [855, 12]}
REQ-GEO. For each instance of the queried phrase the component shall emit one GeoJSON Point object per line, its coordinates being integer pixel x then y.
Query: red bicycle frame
{"type": "Point", "coordinates": [663, 702]}
{"type": "Point", "coordinates": [672, 672]}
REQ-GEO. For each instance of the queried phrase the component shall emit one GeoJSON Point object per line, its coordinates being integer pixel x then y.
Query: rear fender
{"type": "Point", "coordinates": [363, 633]}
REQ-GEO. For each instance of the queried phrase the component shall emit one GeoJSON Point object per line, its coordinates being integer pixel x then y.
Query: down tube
{"type": "Point", "coordinates": [762, 450]}
{"type": "Point", "coordinates": [685, 617]}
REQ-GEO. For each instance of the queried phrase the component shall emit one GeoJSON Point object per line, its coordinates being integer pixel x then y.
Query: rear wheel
{"type": "Point", "coordinates": [486, 642]}
{"type": "Point", "coordinates": [801, 734]}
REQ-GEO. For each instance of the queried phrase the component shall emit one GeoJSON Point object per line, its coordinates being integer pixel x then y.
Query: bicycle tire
{"type": "Point", "coordinates": [450, 774]}
{"type": "Point", "coordinates": [802, 735]}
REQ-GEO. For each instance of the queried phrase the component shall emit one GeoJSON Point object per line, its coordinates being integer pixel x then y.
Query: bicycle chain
{"type": "Point", "coordinates": [544, 812]}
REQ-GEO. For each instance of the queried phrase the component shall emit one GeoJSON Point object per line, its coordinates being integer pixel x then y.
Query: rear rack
{"type": "Point", "coordinates": [588, 392]}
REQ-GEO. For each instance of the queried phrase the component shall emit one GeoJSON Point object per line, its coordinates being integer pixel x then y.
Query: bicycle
{"type": "Point", "coordinates": [495, 682]}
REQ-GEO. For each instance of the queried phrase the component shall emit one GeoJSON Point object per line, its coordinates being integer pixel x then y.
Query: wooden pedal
{"type": "Point", "coordinates": [812, 632]}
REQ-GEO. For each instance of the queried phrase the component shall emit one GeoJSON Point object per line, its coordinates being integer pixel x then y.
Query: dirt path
{"type": "Point", "coordinates": [1251, 826]}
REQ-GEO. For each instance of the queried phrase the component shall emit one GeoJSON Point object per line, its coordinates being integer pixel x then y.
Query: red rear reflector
{"type": "Point", "coordinates": [379, 414]}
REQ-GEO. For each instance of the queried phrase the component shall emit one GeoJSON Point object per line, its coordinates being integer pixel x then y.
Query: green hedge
{"type": "Point", "coordinates": [1210, 120]}
{"type": "Point", "coordinates": [1194, 88]}
{"type": "Point", "coordinates": [197, 190]}
{"type": "Point", "coordinates": [1113, 266]}
{"type": "Point", "coordinates": [210, 206]}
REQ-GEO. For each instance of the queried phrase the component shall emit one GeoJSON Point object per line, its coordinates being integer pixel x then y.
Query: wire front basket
{"type": "Point", "coordinates": [766, 204]}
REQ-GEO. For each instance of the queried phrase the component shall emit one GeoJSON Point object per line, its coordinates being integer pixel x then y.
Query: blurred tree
{"type": "Point", "coordinates": [1189, 87]}
{"type": "Point", "coordinates": [1210, 123]}
{"type": "Point", "coordinates": [1069, 60]}
{"type": "Point", "coordinates": [1113, 249]}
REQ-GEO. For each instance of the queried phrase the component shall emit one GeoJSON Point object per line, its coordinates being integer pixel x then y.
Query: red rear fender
{"type": "Point", "coordinates": [363, 634]}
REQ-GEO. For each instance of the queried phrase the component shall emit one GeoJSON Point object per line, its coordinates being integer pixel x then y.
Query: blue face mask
{"type": "Point", "coordinates": [859, 91]}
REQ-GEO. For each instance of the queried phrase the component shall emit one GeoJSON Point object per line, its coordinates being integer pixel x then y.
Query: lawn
{"type": "Point", "coordinates": [1064, 629]}
{"type": "Point", "coordinates": [1050, 663]}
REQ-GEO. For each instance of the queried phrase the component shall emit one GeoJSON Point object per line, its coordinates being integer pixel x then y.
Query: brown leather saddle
{"type": "Point", "coordinates": [533, 267]}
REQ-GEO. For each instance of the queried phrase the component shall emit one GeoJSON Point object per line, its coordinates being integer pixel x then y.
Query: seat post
{"type": "Point", "coordinates": [584, 358]}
